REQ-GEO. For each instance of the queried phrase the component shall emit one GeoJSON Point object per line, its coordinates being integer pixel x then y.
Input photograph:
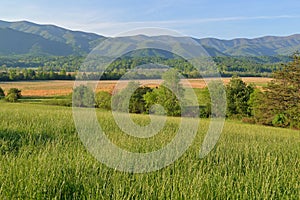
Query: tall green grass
{"type": "Point", "coordinates": [42, 157]}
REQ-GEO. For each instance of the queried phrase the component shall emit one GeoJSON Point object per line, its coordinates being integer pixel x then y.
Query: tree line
{"type": "Point", "coordinates": [277, 104]}
{"type": "Point", "coordinates": [17, 68]}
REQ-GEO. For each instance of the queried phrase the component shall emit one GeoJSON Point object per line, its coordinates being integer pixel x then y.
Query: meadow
{"type": "Point", "coordinates": [42, 157]}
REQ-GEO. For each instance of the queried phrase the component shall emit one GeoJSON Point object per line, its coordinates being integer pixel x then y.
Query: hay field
{"type": "Point", "coordinates": [57, 88]}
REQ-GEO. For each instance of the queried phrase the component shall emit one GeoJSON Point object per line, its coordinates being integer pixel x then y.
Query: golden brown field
{"type": "Point", "coordinates": [54, 88]}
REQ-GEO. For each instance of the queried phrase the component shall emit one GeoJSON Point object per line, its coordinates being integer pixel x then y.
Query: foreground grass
{"type": "Point", "coordinates": [41, 157]}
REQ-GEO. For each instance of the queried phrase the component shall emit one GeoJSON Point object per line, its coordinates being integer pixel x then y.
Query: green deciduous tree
{"type": "Point", "coordinates": [103, 100]}
{"type": "Point", "coordinates": [83, 96]}
{"type": "Point", "coordinates": [238, 94]}
{"type": "Point", "coordinates": [168, 95]}
{"type": "Point", "coordinates": [137, 102]}
{"type": "Point", "coordinates": [172, 81]}
{"type": "Point", "coordinates": [218, 100]}
{"type": "Point", "coordinates": [131, 98]}
{"type": "Point", "coordinates": [121, 100]}
{"type": "Point", "coordinates": [166, 98]}
{"type": "Point", "coordinates": [254, 102]}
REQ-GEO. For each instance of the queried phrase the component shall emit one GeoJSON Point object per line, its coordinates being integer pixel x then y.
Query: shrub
{"type": "Point", "coordinates": [13, 95]}
{"type": "Point", "coordinates": [103, 100]}
{"type": "Point", "coordinates": [83, 96]}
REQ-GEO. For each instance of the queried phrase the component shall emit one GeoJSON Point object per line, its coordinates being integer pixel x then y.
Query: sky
{"type": "Point", "coordinates": [224, 19]}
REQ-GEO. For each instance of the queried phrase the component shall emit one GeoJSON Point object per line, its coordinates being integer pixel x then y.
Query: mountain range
{"type": "Point", "coordinates": [27, 38]}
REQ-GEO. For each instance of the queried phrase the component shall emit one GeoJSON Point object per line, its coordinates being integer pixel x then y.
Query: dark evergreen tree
{"type": "Point", "coordinates": [137, 103]}
{"type": "Point", "coordinates": [2, 95]}
{"type": "Point", "coordinates": [280, 104]}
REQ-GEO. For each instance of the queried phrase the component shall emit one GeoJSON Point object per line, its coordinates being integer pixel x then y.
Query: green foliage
{"type": "Point", "coordinates": [136, 99]}
{"type": "Point", "coordinates": [13, 95]}
{"type": "Point", "coordinates": [255, 65]}
{"type": "Point", "coordinates": [15, 68]}
{"type": "Point", "coordinates": [121, 100]}
{"type": "Point", "coordinates": [255, 102]}
{"type": "Point", "coordinates": [103, 100]}
{"type": "Point", "coordinates": [164, 97]}
{"type": "Point", "coordinates": [42, 157]}
{"type": "Point", "coordinates": [83, 96]}
{"type": "Point", "coordinates": [167, 95]}
{"type": "Point", "coordinates": [217, 93]}
{"type": "Point", "coordinates": [2, 95]}
{"type": "Point", "coordinates": [280, 104]}
{"type": "Point", "coordinates": [238, 94]}
{"type": "Point", "coordinates": [172, 81]}
{"type": "Point", "coordinates": [131, 98]}
{"type": "Point", "coordinates": [137, 103]}
{"type": "Point", "coordinates": [204, 102]}
{"type": "Point", "coordinates": [213, 96]}
{"type": "Point", "coordinates": [280, 120]}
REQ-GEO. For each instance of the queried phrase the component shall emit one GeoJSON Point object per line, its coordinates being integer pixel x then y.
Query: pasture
{"type": "Point", "coordinates": [42, 157]}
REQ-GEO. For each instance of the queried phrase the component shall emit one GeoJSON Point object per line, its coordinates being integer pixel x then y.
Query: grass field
{"type": "Point", "coordinates": [54, 88]}
{"type": "Point", "coordinates": [42, 157]}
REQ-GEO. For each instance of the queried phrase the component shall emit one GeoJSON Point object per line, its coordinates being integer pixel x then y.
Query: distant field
{"type": "Point", "coordinates": [42, 157]}
{"type": "Point", "coordinates": [55, 88]}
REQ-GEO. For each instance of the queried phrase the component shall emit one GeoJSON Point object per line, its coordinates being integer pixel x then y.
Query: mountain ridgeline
{"type": "Point", "coordinates": [27, 38]}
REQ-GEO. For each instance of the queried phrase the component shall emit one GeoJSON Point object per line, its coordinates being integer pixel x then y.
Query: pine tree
{"type": "Point", "coordinates": [280, 104]}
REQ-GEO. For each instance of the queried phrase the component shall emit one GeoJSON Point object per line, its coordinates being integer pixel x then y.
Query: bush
{"type": "Point", "coordinates": [83, 96]}
{"type": "Point", "coordinates": [103, 100]}
{"type": "Point", "coordinates": [166, 98]}
{"type": "Point", "coordinates": [131, 99]}
{"type": "Point", "coordinates": [280, 120]}
{"type": "Point", "coordinates": [13, 95]}
{"type": "Point", "coordinates": [169, 95]}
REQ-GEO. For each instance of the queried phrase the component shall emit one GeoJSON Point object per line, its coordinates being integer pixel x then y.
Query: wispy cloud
{"type": "Point", "coordinates": [201, 20]}
{"type": "Point", "coordinates": [113, 28]}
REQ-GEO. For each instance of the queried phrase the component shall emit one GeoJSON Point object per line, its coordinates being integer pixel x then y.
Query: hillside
{"type": "Point", "coordinates": [68, 41]}
{"type": "Point", "coordinates": [15, 42]}
{"type": "Point", "coordinates": [263, 46]}
{"type": "Point", "coordinates": [22, 37]}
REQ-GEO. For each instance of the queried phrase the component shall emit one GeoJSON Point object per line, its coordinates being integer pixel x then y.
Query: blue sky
{"type": "Point", "coordinates": [198, 18]}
